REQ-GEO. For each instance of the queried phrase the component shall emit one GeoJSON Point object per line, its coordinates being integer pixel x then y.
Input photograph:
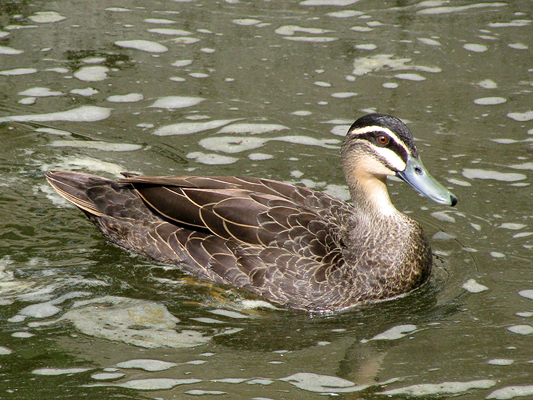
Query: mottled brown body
{"type": "Point", "coordinates": [292, 245]}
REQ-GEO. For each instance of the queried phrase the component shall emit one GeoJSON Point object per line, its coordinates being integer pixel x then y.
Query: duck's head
{"type": "Point", "coordinates": [378, 146]}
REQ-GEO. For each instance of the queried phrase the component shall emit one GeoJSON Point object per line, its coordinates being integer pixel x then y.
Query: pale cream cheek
{"type": "Point", "coordinates": [374, 167]}
{"type": "Point", "coordinates": [392, 158]}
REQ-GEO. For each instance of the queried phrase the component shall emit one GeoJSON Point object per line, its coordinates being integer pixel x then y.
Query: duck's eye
{"type": "Point", "coordinates": [382, 140]}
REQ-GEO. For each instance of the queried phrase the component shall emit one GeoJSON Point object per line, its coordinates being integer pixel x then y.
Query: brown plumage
{"type": "Point", "coordinates": [292, 245]}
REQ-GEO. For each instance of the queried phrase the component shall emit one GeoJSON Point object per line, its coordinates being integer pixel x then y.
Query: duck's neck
{"type": "Point", "coordinates": [370, 195]}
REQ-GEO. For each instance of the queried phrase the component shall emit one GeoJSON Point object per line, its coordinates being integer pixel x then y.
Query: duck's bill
{"type": "Point", "coordinates": [416, 175]}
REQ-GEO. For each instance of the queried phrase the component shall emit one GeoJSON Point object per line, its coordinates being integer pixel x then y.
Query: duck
{"type": "Point", "coordinates": [291, 245]}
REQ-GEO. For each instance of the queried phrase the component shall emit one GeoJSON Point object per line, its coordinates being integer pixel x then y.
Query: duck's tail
{"type": "Point", "coordinates": [75, 186]}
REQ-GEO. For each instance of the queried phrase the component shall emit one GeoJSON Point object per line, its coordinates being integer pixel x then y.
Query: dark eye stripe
{"type": "Point", "coordinates": [392, 145]}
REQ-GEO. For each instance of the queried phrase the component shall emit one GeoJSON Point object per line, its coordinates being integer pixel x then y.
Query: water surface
{"type": "Point", "coordinates": [265, 89]}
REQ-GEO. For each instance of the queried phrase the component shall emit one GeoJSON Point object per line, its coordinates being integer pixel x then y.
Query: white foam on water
{"type": "Point", "coordinates": [237, 144]}
{"type": "Point", "coordinates": [80, 114]}
{"type": "Point", "coordinates": [512, 226]}
{"type": "Point", "coordinates": [390, 85]}
{"type": "Point", "coordinates": [16, 27]}
{"type": "Point", "coordinates": [211, 159]}
{"type": "Point", "coordinates": [93, 73]}
{"type": "Point", "coordinates": [487, 84]}
{"type": "Point", "coordinates": [260, 156]}
{"type": "Point", "coordinates": [104, 146]}
{"type": "Point", "coordinates": [162, 21]}
{"type": "Point", "coordinates": [28, 100]}
{"type": "Point", "coordinates": [199, 392]}
{"type": "Point", "coordinates": [490, 101]}
{"type": "Point", "coordinates": [126, 98]}
{"type": "Point", "coordinates": [229, 380]}
{"type": "Point", "coordinates": [410, 77]}
{"type": "Point", "coordinates": [46, 17]}
{"type": "Point", "coordinates": [85, 92]}
{"type": "Point", "coordinates": [198, 75]}
{"type": "Point", "coordinates": [522, 234]}
{"type": "Point", "coordinates": [309, 141]}
{"type": "Point", "coordinates": [173, 102]}
{"type": "Point", "coordinates": [142, 45]}
{"type": "Point", "coordinates": [231, 145]}
{"type": "Point", "coordinates": [361, 29]}
{"type": "Point", "coordinates": [521, 329]}
{"type": "Point", "coordinates": [473, 287]}
{"type": "Point", "coordinates": [429, 389]}
{"type": "Point", "coordinates": [476, 48]}
{"type": "Point", "coordinates": [170, 32]}
{"type": "Point", "coordinates": [368, 46]}
{"type": "Point", "coordinates": [525, 314]}
{"type": "Point", "coordinates": [40, 92]}
{"type": "Point", "coordinates": [528, 294]}
{"type": "Point", "coordinates": [501, 361]}
{"type": "Point", "coordinates": [22, 335]}
{"type": "Point", "coordinates": [229, 314]}
{"type": "Point", "coordinates": [518, 46]}
{"type": "Point", "coordinates": [451, 9]}
{"type": "Point", "coordinates": [516, 23]}
{"type": "Point", "coordinates": [246, 21]}
{"type": "Point", "coordinates": [59, 371]}
{"type": "Point", "coordinates": [443, 216]}
{"type": "Point", "coordinates": [150, 383]}
{"type": "Point", "coordinates": [429, 42]}
{"type": "Point", "coordinates": [510, 392]}
{"type": "Point", "coordinates": [185, 40]}
{"type": "Point", "coordinates": [196, 362]}
{"type": "Point", "coordinates": [322, 383]}
{"type": "Point", "coordinates": [204, 320]}
{"type": "Point", "coordinates": [521, 117]}
{"type": "Point", "coordinates": [487, 174]}
{"type": "Point", "coordinates": [4, 351]}
{"type": "Point", "coordinates": [338, 3]}
{"type": "Point", "coordinates": [260, 381]}
{"type": "Point", "coordinates": [181, 63]}
{"type": "Point", "coordinates": [316, 39]}
{"type": "Point", "coordinates": [340, 130]}
{"type": "Point", "coordinates": [42, 310]}
{"type": "Point", "coordinates": [345, 14]}
{"type": "Point", "coordinates": [395, 333]}
{"type": "Point", "coordinates": [343, 95]}
{"type": "Point", "coordinates": [247, 304]}
{"type": "Point", "coordinates": [18, 71]}
{"type": "Point", "coordinates": [289, 30]}
{"type": "Point", "coordinates": [302, 113]}
{"type": "Point", "coordinates": [107, 376]}
{"type": "Point", "coordinates": [93, 60]}
{"type": "Point", "coordinates": [322, 84]}
{"type": "Point", "coordinates": [146, 364]}
{"type": "Point", "coordinates": [253, 129]}
{"type": "Point", "coordinates": [339, 191]}
{"type": "Point", "coordinates": [510, 141]}
{"type": "Point", "coordinates": [364, 65]}
{"type": "Point", "coordinates": [187, 128]}
{"type": "Point", "coordinates": [3, 34]}
{"type": "Point", "coordinates": [137, 322]}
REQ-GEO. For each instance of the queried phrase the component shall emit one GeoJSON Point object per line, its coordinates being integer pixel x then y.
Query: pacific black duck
{"type": "Point", "coordinates": [292, 245]}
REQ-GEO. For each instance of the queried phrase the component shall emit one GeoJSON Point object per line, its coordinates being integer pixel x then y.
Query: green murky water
{"type": "Point", "coordinates": [265, 89]}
